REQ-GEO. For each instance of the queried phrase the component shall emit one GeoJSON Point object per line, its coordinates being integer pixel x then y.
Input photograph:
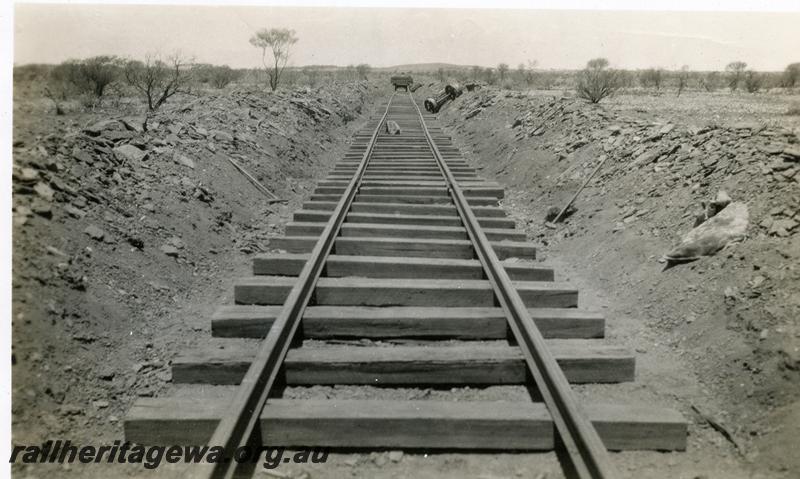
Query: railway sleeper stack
{"type": "Point", "coordinates": [402, 273]}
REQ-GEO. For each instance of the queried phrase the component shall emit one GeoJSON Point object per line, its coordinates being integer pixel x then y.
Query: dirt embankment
{"type": "Point", "coordinates": [728, 319]}
{"type": "Point", "coordinates": [127, 235]}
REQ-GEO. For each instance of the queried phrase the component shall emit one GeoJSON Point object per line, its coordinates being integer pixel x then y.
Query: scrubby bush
{"type": "Point", "coordinates": [791, 76]}
{"type": "Point", "coordinates": [710, 81]}
{"type": "Point", "coordinates": [753, 81]}
{"type": "Point", "coordinates": [87, 79]}
{"type": "Point", "coordinates": [94, 74]}
{"type": "Point", "coordinates": [651, 78]}
{"type": "Point", "coordinates": [597, 80]}
{"type": "Point", "coordinates": [735, 71]}
{"type": "Point", "coordinates": [221, 76]}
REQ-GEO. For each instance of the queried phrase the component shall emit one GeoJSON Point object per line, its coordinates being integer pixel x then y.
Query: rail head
{"type": "Point", "coordinates": [586, 450]}
{"type": "Point", "coordinates": [237, 428]}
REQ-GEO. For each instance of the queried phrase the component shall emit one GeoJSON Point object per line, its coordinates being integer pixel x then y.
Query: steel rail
{"type": "Point", "coordinates": [237, 427]}
{"type": "Point", "coordinates": [587, 452]}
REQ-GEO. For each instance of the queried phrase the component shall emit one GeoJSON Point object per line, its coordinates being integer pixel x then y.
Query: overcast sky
{"type": "Point", "coordinates": [385, 37]}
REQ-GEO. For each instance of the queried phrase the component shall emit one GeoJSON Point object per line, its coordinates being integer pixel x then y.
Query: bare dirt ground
{"type": "Point", "coordinates": [97, 318]}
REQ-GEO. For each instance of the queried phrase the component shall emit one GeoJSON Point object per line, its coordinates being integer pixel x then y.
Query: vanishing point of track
{"type": "Point", "coordinates": [404, 241]}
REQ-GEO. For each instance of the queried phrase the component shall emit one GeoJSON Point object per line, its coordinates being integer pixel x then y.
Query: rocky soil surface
{"type": "Point", "coordinates": [128, 233]}
{"type": "Point", "coordinates": [719, 335]}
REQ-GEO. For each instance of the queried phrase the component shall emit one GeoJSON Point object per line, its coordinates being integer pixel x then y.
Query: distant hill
{"type": "Point", "coordinates": [422, 67]}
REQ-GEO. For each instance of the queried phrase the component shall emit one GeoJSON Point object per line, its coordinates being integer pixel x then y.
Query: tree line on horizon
{"type": "Point", "coordinates": [157, 78]}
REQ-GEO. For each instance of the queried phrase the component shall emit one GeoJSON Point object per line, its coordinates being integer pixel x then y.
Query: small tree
{"type": "Point", "coordinates": [753, 81]}
{"type": "Point", "coordinates": [363, 70]}
{"type": "Point", "coordinates": [683, 79]}
{"type": "Point", "coordinates": [597, 81]}
{"type": "Point", "coordinates": [158, 80]}
{"type": "Point", "coordinates": [735, 72]}
{"type": "Point", "coordinates": [279, 41]}
{"type": "Point", "coordinates": [791, 76]}
{"type": "Point", "coordinates": [502, 69]}
{"type": "Point", "coordinates": [652, 77]}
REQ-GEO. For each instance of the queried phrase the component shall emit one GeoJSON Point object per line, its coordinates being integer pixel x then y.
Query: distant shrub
{"type": "Point", "coordinates": [794, 110]}
{"type": "Point", "coordinates": [791, 76]}
{"type": "Point", "coordinates": [710, 81]}
{"type": "Point", "coordinates": [489, 76]}
{"type": "Point", "coordinates": [753, 81]}
{"type": "Point", "coordinates": [597, 81]}
{"type": "Point", "coordinates": [509, 84]}
{"type": "Point", "coordinates": [221, 76]}
{"type": "Point", "coordinates": [651, 78]}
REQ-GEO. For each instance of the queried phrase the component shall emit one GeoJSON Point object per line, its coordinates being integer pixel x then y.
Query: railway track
{"type": "Point", "coordinates": [404, 246]}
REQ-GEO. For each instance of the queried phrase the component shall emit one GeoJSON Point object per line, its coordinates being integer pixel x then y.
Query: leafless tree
{"type": "Point", "coordinates": [683, 79]}
{"type": "Point", "coordinates": [158, 80]}
{"type": "Point", "coordinates": [278, 41]}
{"type": "Point", "coordinates": [735, 72]}
{"type": "Point", "coordinates": [597, 80]}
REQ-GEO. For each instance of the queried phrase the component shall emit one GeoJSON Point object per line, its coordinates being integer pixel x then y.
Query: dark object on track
{"type": "Point", "coordinates": [434, 104]}
{"type": "Point", "coordinates": [402, 81]}
{"type": "Point", "coordinates": [415, 87]}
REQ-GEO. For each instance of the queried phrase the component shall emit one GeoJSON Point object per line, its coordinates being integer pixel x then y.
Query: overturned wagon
{"type": "Point", "coordinates": [402, 81]}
